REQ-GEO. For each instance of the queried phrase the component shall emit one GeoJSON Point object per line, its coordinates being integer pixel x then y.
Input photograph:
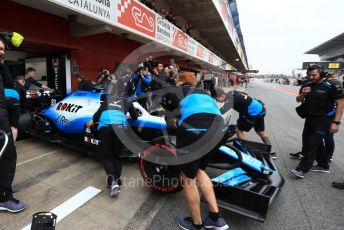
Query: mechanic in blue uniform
{"type": "Point", "coordinates": [9, 157]}
{"type": "Point", "coordinates": [318, 98]}
{"type": "Point", "coordinates": [111, 118]}
{"type": "Point", "coordinates": [199, 132]}
{"type": "Point", "coordinates": [251, 113]}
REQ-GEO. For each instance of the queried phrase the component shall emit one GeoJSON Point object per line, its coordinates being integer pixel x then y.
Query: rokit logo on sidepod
{"type": "Point", "coordinates": [68, 107]}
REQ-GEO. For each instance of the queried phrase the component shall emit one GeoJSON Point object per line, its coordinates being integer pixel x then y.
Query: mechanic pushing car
{"type": "Point", "coordinates": [111, 118]}
{"type": "Point", "coordinates": [251, 113]}
{"type": "Point", "coordinates": [9, 158]}
{"type": "Point", "coordinates": [200, 120]}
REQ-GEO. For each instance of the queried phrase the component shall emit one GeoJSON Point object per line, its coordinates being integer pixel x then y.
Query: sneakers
{"type": "Point", "coordinates": [113, 185]}
{"type": "Point", "coordinates": [220, 224]}
{"type": "Point", "coordinates": [298, 155]}
{"type": "Point", "coordinates": [186, 223]}
{"type": "Point", "coordinates": [273, 155]}
{"type": "Point", "coordinates": [319, 168]}
{"type": "Point", "coordinates": [12, 205]}
{"type": "Point", "coordinates": [339, 185]}
{"type": "Point", "coordinates": [298, 173]}
{"type": "Point", "coordinates": [115, 189]}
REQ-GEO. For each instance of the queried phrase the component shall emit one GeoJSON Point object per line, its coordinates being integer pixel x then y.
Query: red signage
{"type": "Point", "coordinates": [200, 51]}
{"type": "Point", "coordinates": [136, 16]}
{"type": "Point", "coordinates": [180, 40]}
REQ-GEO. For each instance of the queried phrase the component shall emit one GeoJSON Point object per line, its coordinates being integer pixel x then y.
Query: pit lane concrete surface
{"type": "Point", "coordinates": [49, 174]}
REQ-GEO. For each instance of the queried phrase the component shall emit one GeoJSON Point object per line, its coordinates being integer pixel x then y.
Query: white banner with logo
{"type": "Point", "coordinates": [192, 47]}
{"type": "Point", "coordinates": [100, 9]}
{"type": "Point", "coordinates": [164, 31]}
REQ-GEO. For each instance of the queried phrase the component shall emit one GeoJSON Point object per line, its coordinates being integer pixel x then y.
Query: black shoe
{"type": "Point", "coordinates": [319, 168]}
{"type": "Point", "coordinates": [339, 185]}
{"type": "Point", "coordinates": [185, 223]}
{"type": "Point", "coordinates": [298, 173]}
{"type": "Point", "coordinates": [219, 224]}
{"type": "Point", "coordinates": [273, 155]}
{"type": "Point", "coordinates": [298, 155]}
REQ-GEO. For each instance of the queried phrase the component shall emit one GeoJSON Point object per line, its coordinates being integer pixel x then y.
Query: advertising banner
{"type": "Point", "coordinates": [180, 39]}
{"type": "Point", "coordinates": [103, 10]}
{"type": "Point", "coordinates": [164, 31]}
{"type": "Point", "coordinates": [211, 58]}
{"type": "Point", "coordinates": [206, 55]}
{"type": "Point", "coordinates": [192, 47]}
{"type": "Point", "coordinates": [200, 51]}
{"type": "Point", "coordinates": [328, 66]}
{"type": "Point", "coordinates": [136, 16]}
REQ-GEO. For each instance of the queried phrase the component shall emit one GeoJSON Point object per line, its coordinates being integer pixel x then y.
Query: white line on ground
{"type": "Point", "coordinates": [72, 204]}
{"type": "Point", "coordinates": [39, 157]}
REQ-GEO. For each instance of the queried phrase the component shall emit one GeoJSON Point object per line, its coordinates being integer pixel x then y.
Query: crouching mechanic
{"type": "Point", "coordinates": [111, 117]}
{"type": "Point", "coordinates": [251, 113]}
{"type": "Point", "coordinates": [200, 122]}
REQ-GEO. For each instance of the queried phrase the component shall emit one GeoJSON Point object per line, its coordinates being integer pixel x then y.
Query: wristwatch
{"type": "Point", "coordinates": [336, 122]}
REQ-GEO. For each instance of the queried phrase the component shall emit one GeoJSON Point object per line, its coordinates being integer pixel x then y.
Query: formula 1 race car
{"type": "Point", "coordinates": [245, 178]}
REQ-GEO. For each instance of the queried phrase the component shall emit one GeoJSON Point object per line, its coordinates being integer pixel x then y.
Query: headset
{"type": "Point", "coordinates": [13, 38]}
{"type": "Point", "coordinates": [310, 67]}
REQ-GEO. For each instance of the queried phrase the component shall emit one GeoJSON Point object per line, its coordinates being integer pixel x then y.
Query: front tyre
{"type": "Point", "coordinates": [161, 178]}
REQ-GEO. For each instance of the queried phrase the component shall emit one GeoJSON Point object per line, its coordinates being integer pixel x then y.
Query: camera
{"type": "Point", "coordinates": [149, 63]}
{"type": "Point", "coordinates": [106, 73]}
{"type": "Point", "coordinates": [304, 81]}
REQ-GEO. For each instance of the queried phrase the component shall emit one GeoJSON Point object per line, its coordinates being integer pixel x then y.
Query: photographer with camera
{"type": "Point", "coordinates": [318, 98]}
{"type": "Point", "coordinates": [9, 158]}
{"type": "Point", "coordinates": [106, 80]}
{"type": "Point", "coordinates": [139, 84]}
